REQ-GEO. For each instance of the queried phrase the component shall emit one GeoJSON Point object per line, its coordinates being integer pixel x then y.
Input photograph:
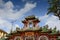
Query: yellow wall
{"type": "Point", "coordinates": [2, 34]}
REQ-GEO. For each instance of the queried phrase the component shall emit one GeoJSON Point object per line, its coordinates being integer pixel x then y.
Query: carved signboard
{"type": "Point", "coordinates": [29, 33]}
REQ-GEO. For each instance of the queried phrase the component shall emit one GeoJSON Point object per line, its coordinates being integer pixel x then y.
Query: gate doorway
{"type": "Point", "coordinates": [29, 38]}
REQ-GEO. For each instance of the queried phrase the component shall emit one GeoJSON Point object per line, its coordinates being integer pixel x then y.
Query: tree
{"type": "Point", "coordinates": [2, 39]}
{"type": "Point", "coordinates": [44, 29]}
{"type": "Point", "coordinates": [54, 7]}
{"type": "Point", "coordinates": [54, 31]}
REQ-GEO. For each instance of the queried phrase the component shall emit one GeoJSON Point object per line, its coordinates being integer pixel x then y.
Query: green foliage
{"type": "Point", "coordinates": [2, 39]}
{"type": "Point", "coordinates": [54, 4]}
{"type": "Point", "coordinates": [54, 31]}
{"type": "Point", "coordinates": [58, 38]}
{"type": "Point", "coordinates": [44, 29]}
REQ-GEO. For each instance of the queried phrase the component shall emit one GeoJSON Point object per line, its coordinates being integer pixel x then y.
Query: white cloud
{"type": "Point", "coordinates": [9, 5]}
{"type": "Point", "coordinates": [53, 21]}
{"type": "Point", "coordinates": [7, 12]}
{"type": "Point", "coordinates": [14, 27]}
{"type": "Point", "coordinates": [5, 25]}
{"type": "Point", "coordinates": [43, 17]}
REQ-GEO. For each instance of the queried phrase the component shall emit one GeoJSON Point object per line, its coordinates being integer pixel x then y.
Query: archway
{"type": "Point", "coordinates": [29, 38]}
{"type": "Point", "coordinates": [43, 38]}
{"type": "Point", "coordinates": [17, 38]}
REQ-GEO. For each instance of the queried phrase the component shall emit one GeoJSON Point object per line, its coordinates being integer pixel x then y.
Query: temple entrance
{"type": "Point", "coordinates": [43, 38]}
{"type": "Point", "coordinates": [29, 38]}
{"type": "Point", "coordinates": [18, 38]}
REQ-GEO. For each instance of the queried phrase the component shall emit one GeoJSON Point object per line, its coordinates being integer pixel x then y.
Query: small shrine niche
{"type": "Point", "coordinates": [30, 24]}
{"type": "Point", "coordinates": [31, 21]}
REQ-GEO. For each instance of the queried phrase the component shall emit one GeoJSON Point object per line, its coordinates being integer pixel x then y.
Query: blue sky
{"type": "Point", "coordinates": [17, 10]}
{"type": "Point", "coordinates": [40, 9]}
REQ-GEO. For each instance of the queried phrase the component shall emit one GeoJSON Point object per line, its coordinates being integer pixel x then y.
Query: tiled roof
{"type": "Point", "coordinates": [3, 31]}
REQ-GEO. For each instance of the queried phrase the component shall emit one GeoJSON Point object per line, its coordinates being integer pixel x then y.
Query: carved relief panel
{"type": "Point", "coordinates": [29, 33]}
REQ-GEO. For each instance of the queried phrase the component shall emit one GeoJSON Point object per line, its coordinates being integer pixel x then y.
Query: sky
{"type": "Point", "coordinates": [12, 12]}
